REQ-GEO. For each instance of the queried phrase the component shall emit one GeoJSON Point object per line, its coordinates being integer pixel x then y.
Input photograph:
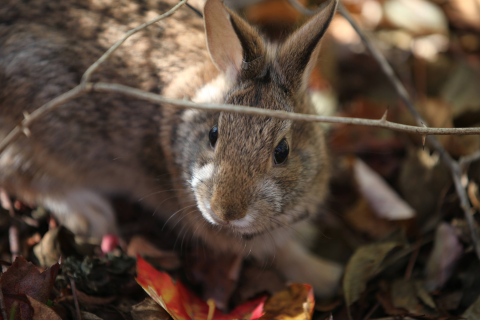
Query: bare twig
{"type": "Point", "coordinates": [380, 123]}
{"type": "Point", "coordinates": [453, 165]}
{"type": "Point", "coordinates": [75, 298]}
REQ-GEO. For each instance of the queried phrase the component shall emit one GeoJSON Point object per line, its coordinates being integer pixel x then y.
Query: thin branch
{"type": "Point", "coordinates": [380, 123]}
{"type": "Point", "coordinates": [453, 165]}
{"type": "Point", "coordinates": [75, 298]}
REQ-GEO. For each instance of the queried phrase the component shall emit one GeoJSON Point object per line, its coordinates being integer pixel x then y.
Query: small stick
{"type": "Point", "coordinates": [380, 123]}
{"type": "Point", "coordinates": [75, 298]}
{"type": "Point", "coordinates": [413, 259]}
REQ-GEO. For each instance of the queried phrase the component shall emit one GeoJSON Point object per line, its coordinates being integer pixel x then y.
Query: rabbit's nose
{"type": "Point", "coordinates": [228, 211]}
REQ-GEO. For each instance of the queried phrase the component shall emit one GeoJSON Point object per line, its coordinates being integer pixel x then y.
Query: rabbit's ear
{"type": "Point", "coordinates": [234, 46]}
{"type": "Point", "coordinates": [298, 55]}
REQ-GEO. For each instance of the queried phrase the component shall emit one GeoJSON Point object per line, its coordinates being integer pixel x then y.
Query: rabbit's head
{"type": "Point", "coordinates": [253, 174]}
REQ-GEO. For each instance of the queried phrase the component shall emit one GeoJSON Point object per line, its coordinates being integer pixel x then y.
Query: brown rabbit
{"type": "Point", "coordinates": [237, 182]}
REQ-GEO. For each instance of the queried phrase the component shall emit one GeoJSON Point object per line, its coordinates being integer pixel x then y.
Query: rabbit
{"type": "Point", "coordinates": [238, 183]}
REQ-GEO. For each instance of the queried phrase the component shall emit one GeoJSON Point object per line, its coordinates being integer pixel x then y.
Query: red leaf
{"type": "Point", "coordinates": [181, 304]}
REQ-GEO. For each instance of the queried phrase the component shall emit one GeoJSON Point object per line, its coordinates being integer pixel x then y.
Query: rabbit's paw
{"type": "Point", "coordinates": [84, 212]}
{"type": "Point", "coordinates": [298, 265]}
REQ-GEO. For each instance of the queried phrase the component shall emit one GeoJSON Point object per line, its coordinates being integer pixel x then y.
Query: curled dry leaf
{"type": "Point", "coordinates": [447, 250]}
{"type": "Point", "coordinates": [381, 197]}
{"type": "Point", "coordinates": [42, 311]}
{"type": "Point", "coordinates": [296, 302]}
{"type": "Point", "coordinates": [363, 265]}
{"type": "Point", "coordinates": [22, 279]}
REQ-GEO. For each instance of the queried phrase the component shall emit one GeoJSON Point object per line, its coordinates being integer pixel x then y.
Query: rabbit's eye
{"type": "Point", "coordinates": [280, 153]}
{"type": "Point", "coordinates": [213, 136]}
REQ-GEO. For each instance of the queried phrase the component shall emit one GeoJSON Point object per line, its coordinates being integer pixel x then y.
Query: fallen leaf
{"type": "Point", "coordinates": [41, 311]}
{"type": "Point", "coordinates": [473, 312]}
{"type": "Point", "coordinates": [89, 316]}
{"type": "Point", "coordinates": [149, 310]}
{"type": "Point", "coordinates": [404, 295]}
{"type": "Point", "coordinates": [181, 304]}
{"type": "Point", "coordinates": [296, 302]}
{"type": "Point", "coordinates": [419, 17]}
{"type": "Point", "coordinates": [59, 242]}
{"type": "Point", "coordinates": [362, 266]}
{"type": "Point", "coordinates": [465, 13]}
{"type": "Point", "coordinates": [446, 252]}
{"type": "Point", "coordinates": [21, 279]}
{"type": "Point", "coordinates": [381, 197]}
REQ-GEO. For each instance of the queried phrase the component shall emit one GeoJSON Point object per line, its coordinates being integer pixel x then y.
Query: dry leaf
{"type": "Point", "coordinates": [181, 304]}
{"type": "Point", "coordinates": [405, 294]}
{"type": "Point", "coordinates": [149, 310]}
{"type": "Point", "coordinates": [381, 197]}
{"type": "Point", "coordinates": [362, 266]}
{"type": "Point", "coordinates": [446, 252]}
{"type": "Point", "coordinates": [22, 279]}
{"type": "Point", "coordinates": [89, 316]}
{"type": "Point", "coordinates": [473, 312]}
{"type": "Point", "coordinates": [296, 302]}
{"type": "Point", "coordinates": [419, 17]}
{"type": "Point", "coordinates": [42, 311]}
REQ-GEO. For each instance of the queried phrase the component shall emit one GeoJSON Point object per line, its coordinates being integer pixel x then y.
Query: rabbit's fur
{"type": "Point", "coordinates": [101, 144]}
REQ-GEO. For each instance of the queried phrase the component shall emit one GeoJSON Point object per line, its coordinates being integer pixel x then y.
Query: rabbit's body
{"type": "Point", "coordinates": [231, 193]}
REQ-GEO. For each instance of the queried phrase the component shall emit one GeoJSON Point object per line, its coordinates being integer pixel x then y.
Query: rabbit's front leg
{"type": "Point", "coordinates": [84, 212]}
{"type": "Point", "coordinates": [299, 265]}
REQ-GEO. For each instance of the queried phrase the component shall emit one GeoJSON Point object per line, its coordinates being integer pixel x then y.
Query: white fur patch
{"type": "Point", "coordinates": [202, 174]}
{"type": "Point", "coordinates": [214, 91]}
{"type": "Point", "coordinates": [245, 222]}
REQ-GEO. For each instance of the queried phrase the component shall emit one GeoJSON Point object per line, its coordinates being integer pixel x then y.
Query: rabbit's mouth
{"type": "Point", "coordinates": [242, 225]}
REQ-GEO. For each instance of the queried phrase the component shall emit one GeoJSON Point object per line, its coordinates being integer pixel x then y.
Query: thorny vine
{"type": "Point", "coordinates": [457, 168]}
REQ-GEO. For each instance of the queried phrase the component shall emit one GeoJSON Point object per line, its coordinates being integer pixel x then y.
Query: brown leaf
{"type": "Point", "coordinates": [149, 310]}
{"type": "Point", "coordinates": [59, 242]}
{"type": "Point", "coordinates": [89, 316]}
{"type": "Point", "coordinates": [446, 252]}
{"type": "Point", "coordinates": [404, 295]}
{"type": "Point", "coordinates": [42, 311]}
{"type": "Point", "coordinates": [381, 197]}
{"type": "Point", "coordinates": [362, 266]}
{"type": "Point", "coordinates": [22, 279]}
